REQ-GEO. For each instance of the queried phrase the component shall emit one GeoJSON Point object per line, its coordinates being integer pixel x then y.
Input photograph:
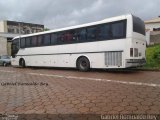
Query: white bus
{"type": "Point", "coordinates": [117, 42]}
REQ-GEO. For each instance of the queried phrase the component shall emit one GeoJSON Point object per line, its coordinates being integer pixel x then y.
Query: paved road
{"type": "Point", "coordinates": [33, 90]}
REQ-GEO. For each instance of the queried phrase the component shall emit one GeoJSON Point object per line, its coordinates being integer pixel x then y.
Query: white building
{"type": "Point", "coordinates": [11, 29]}
{"type": "Point", "coordinates": [153, 24]}
{"type": "Point", "coordinates": [153, 31]}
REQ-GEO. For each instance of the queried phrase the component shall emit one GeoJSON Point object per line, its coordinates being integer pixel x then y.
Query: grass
{"type": "Point", "coordinates": [153, 57]}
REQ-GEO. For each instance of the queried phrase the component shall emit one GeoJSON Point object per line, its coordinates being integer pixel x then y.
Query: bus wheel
{"type": "Point", "coordinates": [22, 63]}
{"type": "Point", "coordinates": [83, 64]}
{"type": "Point", "coordinates": [4, 64]}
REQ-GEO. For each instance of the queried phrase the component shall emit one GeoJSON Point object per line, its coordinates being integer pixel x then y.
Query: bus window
{"type": "Point", "coordinates": [22, 42]}
{"type": "Point", "coordinates": [69, 36]}
{"type": "Point", "coordinates": [47, 39]}
{"type": "Point", "coordinates": [60, 38]}
{"type": "Point", "coordinates": [34, 41]}
{"type": "Point", "coordinates": [105, 32]}
{"type": "Point", "coordinates": [81, 35]}
{"type": "Point", "coordinates": [14, 47]}
{"type": "Point", "coordinates": [118, 30]}
{"type": "Point", "coordinates": [91, 33]}
{"type": "Point", "coordinates": [138, 25]}
{"type": "Point", "coordinates": [39, 40]}
{"type": "Point", "coordinates": [54, 38]}
{"type": "Point", "coordinates": [74, 36]}
{"type": "Point", "coordinates": [28, 42]}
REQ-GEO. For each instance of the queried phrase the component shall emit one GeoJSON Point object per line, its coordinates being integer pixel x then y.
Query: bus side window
{"type": "Point", "coordinates": [91, 33]}
{"type": "Point", "coordinates": [73, 36]}
{"type": "Point", "coordinates": [39, 40]}
{"type": "Point", "coordinates": [81, 35]}
{"type": "Point", "coordinates": [69, 37]}
{"type": "Point", "coordinates": [60, 38]}
{"type": "Point", "coordinates": [28, 42]}
{"type": "Point", "coordinates": [34, 41]}
{"type": "Point", "coordinates": [118, 30]}
{"type": "Point", "coordinates": [54, 38]}
{"type": "Point", "coordinates": [47, 39]}
{"type": "Point", "coordinates": [22, 42]}
{"type": "Point", "coordinates": [105, 32]}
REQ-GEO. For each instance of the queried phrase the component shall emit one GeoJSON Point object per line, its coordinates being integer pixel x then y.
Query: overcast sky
{"type": "Point", "coordinates": [61, 13]}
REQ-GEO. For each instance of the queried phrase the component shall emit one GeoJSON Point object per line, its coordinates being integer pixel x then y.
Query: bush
{"type": "Point", "coordinates": [153, 57]}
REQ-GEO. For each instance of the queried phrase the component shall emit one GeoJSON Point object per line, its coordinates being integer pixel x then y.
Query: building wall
{"type": "Point", "coordinates": [23, 28]}
{"type": "Point", "coordinates": [9, 48]}
{"type": "Point", "coordinates": [3, 46]}
{"type": "Point", "coordinates": [3, 26]}
{"type": "Point", "coordinates": [155, 37]}
{"type": "Point", "coordinates": [150, 26]}
{"type": "Point", "coordinates": [148, 36]}
{"type": "Point", "coordinates": [13, 28]}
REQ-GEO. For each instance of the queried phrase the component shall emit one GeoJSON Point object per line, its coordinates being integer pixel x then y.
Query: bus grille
{"type": "Point", "coordinates": [113, 58]}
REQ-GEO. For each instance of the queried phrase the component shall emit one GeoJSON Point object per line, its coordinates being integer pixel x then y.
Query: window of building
{"type": "Point", "coordinates": [27, 32]}
{"type": "Point", "coordinates": [156, 29]}
{"type": "Point", "coordinates": [10, 30]}
{"type": "Point", "coordinates": [17, 30]}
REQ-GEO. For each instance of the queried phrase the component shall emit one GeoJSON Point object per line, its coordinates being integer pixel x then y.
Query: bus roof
{"type": "Point", "coordinates": [78, 26]}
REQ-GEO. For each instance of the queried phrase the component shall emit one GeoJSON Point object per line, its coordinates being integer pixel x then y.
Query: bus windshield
{"type": "Point", "coordinates": [15, 47]}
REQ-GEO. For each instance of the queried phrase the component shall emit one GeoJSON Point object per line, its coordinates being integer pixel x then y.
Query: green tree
{"type": "Point", "coordinates": [46, 29]}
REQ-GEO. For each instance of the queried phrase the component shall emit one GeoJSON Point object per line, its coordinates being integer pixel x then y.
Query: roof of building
{"type": "Point", "coordinates": [24, 23]}
{"type": "Point", "coordinates": [16, 23]}
{"type": "Point", "coordinates": [156, 20]}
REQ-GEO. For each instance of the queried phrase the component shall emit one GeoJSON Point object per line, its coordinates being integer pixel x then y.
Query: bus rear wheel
{"type": "Point", "coordinates": [22, 63]}
{"type": "Point", "coordinates": [83, 64]}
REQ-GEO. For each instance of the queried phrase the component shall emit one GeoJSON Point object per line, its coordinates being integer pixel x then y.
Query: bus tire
{"type": "Point", "coordinates": [22, 63]}
{"type": "Point", "coordinates": [5, 64]}
{"type": "Point", "coordinates": [83, 64]}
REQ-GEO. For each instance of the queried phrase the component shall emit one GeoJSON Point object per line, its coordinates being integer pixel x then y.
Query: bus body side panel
{"type": "Point", "coordinates": [56, 56]}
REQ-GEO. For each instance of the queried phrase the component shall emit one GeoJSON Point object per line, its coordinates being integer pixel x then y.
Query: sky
{"type": "Point", "coordinates": [62, 13]}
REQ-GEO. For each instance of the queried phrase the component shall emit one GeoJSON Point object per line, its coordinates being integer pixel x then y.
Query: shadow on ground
{"type": "Point", "coordinates": [122, 71]}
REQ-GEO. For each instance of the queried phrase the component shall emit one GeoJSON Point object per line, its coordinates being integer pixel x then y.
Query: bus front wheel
{"type": "Point", "coordinates": [5, 64]}
{"type": "Point", "coordinates": [22, 63]}
{"type": "Point", "coordinates": [83, 64]}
